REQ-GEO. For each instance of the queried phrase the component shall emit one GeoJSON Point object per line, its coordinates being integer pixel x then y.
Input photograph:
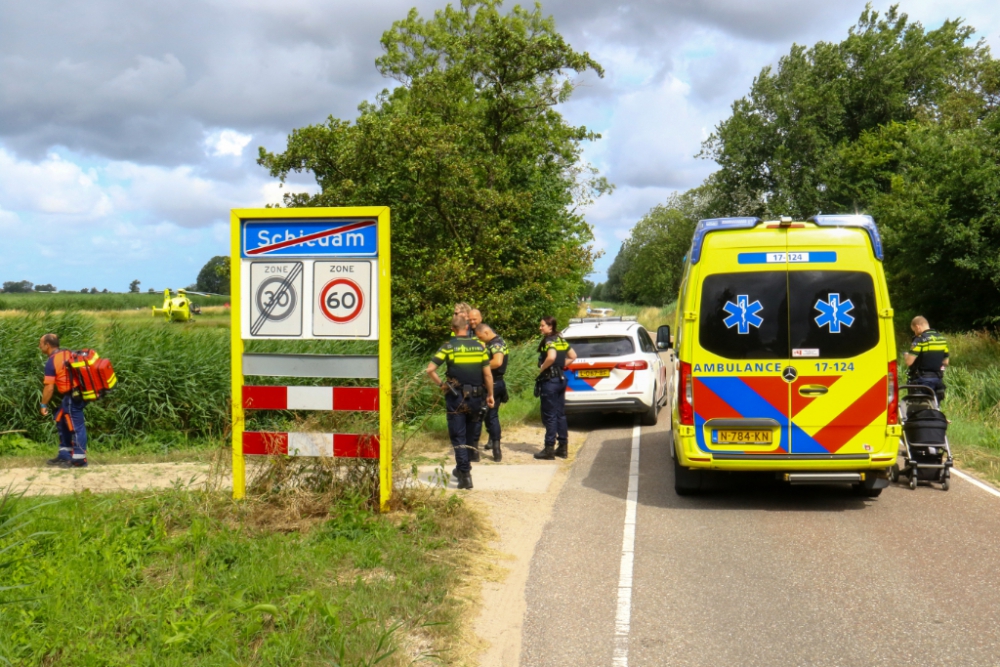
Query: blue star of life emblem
{"type": "Point", "coordinates": [743, 314]}
{"type": "Point", "coordinates": [833, 313]}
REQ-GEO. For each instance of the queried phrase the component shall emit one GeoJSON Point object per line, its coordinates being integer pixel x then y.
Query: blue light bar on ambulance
{"type": "Point", "coordinates": [866, 222]}
{"type": "Point", "coordinates": [715, 225]}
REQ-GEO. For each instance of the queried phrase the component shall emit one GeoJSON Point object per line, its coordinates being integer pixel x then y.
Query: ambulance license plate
{"type": "Point", "coordinates": [741, 437]}
{"type": "Point", "coordinates": [594, 373]}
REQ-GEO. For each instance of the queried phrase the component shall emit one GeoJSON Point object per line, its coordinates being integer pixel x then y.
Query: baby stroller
{"type": "Point", "coordinates": [926, 456]}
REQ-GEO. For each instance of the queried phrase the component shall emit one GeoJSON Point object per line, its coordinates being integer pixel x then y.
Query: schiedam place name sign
{"type": "Point", "coordinates": [309, 279]}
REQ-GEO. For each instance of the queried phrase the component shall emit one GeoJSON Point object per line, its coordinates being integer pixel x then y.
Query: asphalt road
{"type": "Point", "coordinates": [759, 573]}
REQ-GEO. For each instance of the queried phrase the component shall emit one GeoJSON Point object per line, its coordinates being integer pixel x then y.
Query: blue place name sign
{"type": "Point", "coordinates": [330, 237]}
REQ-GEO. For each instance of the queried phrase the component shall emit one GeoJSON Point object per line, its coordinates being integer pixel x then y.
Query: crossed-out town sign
{"type": "Point", "coordinates": [833, 313]}
{"type": "Point", "coordinates": [743, 314]}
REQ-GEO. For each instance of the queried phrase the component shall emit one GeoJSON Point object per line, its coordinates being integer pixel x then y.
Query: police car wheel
{"type": "Point", "coordinates": [652, 415]}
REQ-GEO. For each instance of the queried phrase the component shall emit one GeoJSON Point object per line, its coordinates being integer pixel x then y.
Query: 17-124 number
{"type": "Point", "coordinates": [842, 366]}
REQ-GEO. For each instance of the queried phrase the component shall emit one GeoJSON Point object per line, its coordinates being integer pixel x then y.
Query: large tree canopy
{"type": "Point", "coordinates": [483, 175]}
{"type": "Point", "coordinates": [896, 121]}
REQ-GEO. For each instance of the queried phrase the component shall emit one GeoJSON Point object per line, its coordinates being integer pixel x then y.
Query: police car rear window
{"type": "Point", "coordinates": [745, 315]}
{"type": "Point", "coordinates": [834, 314]}
{"type": "Point", "coordinates": [602, 346]}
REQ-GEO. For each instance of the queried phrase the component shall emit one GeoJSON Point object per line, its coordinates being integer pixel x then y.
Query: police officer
{"type": "Point", "coordinates": [69, 415]}
{"type": "Point", "coordinates": [497, 350]}
{"type": "Point", "coordinates": [475, 319]}
{"type": "Point", "coordinates": [553, 355]}
{"type": "Point", "coordinates": [927, 357]}
{"type": "Point", "coordinates": [469, 383]}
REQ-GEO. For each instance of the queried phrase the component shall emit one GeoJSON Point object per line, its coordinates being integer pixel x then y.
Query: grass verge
{"type": "Point", "coordinates": [192, 578]}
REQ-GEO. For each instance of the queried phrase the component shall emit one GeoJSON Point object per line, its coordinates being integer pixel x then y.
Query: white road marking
{"type": "Point", "coordinates": [624, 613]}
{"type": "Point", "coordinates": [972, 480]}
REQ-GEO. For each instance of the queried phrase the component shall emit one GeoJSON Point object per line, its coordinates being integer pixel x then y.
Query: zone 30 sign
{"type": "Point", "coordinates": [309, 279]}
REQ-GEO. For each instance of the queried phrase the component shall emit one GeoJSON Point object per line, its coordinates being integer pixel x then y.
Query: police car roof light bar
{"type": "Point", "coordinates": [865, 222]}
{"type": "Point", "coordinates": [715, 225]}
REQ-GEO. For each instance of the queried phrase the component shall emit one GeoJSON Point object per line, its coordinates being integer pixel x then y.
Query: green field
{"type": "Point", "coordinates": [70, 301]}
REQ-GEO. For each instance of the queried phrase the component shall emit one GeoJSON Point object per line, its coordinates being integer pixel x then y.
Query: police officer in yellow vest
{"type": "Point", "coordinates": [469, 382]}
{"type": "Point", "coordinates": [554, 353]}
{"type": "Point", "coordinates": [927, 357]}
{"type": "Point", "coordinates": [498, 352]}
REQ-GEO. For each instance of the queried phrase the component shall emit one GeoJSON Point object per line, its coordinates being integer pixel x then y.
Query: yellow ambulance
{"type": "Point", "coordinates": [786, 354]}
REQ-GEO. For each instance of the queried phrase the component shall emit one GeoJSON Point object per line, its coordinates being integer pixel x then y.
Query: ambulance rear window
{"type": "Point", "coordinates": [834, 313]}
{"type": "Point", "coordinates": [745, 315]}
{"type": "Point", "coordinates": [602, 346]}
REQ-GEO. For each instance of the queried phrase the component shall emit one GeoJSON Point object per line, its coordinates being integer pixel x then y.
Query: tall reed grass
{"type": "Point", "coordinates": [173, 381]}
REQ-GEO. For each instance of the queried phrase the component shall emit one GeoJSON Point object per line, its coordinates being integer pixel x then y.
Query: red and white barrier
{"type": "Point", "coordinates": [310, 398]}
{"type": "Point", "coordinates": [344, 445]}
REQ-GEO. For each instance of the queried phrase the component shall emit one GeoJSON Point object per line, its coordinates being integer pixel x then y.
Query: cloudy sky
{"type": "Point", "coordinates": [129, 129]}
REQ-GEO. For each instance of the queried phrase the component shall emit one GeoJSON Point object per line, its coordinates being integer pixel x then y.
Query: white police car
{"type": "Point", "coordinates": [618, 368]}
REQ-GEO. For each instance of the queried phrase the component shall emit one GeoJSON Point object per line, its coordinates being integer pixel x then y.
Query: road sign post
{"type": "Point", "coordinates": [311, 274]}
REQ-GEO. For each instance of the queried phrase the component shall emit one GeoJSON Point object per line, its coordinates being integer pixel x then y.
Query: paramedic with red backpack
{"type": "Point", "coordinates": [69, 415]}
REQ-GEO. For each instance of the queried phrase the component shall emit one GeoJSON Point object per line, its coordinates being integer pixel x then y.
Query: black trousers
{"type": "Point", "coordinates": [493, 414]}
{"type": "Point", "coordinates": [553, 395]}
{"type": "Point", "coordinates": [463, 423]}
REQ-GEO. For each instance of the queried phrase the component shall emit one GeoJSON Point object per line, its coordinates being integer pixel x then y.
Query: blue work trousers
{"type": "Point", "coordinates": [932, 381]}
{"type": "Point", "coordinates": [553, 395]}
{"type": "Point", "coordinates": [464, 422]}
{"type": "Point", "coordinates": [72, 430]}
{"type": "Point", "coordinates": [493, 414]}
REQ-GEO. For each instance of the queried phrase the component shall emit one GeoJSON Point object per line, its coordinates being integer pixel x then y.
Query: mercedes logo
{"type": "Point", "coordinates": [789, 374]}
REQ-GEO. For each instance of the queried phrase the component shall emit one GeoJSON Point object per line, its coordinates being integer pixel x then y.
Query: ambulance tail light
{"type": "Point", "coordinates": [685, 402]}
{"type": "Point", "coordinates": [632, 366]}
{"type": "Point", "coordinates": [892, 397]}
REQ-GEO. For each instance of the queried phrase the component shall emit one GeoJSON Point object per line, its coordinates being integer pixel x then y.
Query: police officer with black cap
{"type": "Point", "coordinates": [927, 357]}
{"type": "Point", "coordinates": [469, 383]}
{"type": "Point", "coordinates": [498, 352]}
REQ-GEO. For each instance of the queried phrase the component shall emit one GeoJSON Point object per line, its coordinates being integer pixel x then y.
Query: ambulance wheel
{"type": "Point", "coordinates": [652, 415]}
{"type": "Point", "coordinates": [687, 482]}
{"type": "Point", "coordinates": [894, 473]}
{"type": "Point", "coordinates": [867, 489]}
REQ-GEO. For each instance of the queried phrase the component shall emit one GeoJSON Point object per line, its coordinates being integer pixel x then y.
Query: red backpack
{"type": "Point", "coordinates": [93, 377]}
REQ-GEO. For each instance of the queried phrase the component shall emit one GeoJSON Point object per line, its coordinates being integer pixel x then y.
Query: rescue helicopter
{"type": "Point", "coordinates": [179, 308]}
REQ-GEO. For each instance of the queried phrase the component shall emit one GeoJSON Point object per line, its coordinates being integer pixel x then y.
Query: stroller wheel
{"type": "Point", "coordinates": [894, 473]}
{"type": "Point", "coordinates": [945, 485]}
{"type": "Point", "coordinates": [913, 480]}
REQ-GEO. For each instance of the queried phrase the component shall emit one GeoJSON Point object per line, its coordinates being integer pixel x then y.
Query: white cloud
{"type": "Point", "coordinates": [227, 142]}
{"type": "Point", "coordinates": [53, 185]}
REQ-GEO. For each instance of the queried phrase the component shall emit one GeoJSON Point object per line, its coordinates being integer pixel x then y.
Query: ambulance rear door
{"type": "Point", "coordinates": [741, 348]}
{"type": "Point", "coordinates": [839, 392]}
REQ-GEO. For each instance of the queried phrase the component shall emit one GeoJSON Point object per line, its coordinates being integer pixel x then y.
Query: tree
{"type": "Point", "coordinates": [84, 290]}
{"type": "Point", "coordinates": [896, 121]}
{"type": "Point", "coordinates": [133, 287]}
{"type": "Point", "coordinates": [484, 176]}
{"type": "Point", "coordinates": [93, 290]}
{"type": "Point", "coordinates": [17, 286]}
{"type": "Point", "coordinates": [214, 276]}
{"type": "Point", "coordinates": [45, 288]}
{"type": "Point", "coordinates": [151, 290]}
{"type": "Point", "coordinates": [778, 150]}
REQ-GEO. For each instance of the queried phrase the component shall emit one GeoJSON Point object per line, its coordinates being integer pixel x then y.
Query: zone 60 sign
{"type": "Point", "coordinates": [342, 299]}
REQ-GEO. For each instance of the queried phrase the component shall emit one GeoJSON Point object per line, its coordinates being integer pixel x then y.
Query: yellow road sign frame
{"type": "Point", "coordinates": [381, 214]}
